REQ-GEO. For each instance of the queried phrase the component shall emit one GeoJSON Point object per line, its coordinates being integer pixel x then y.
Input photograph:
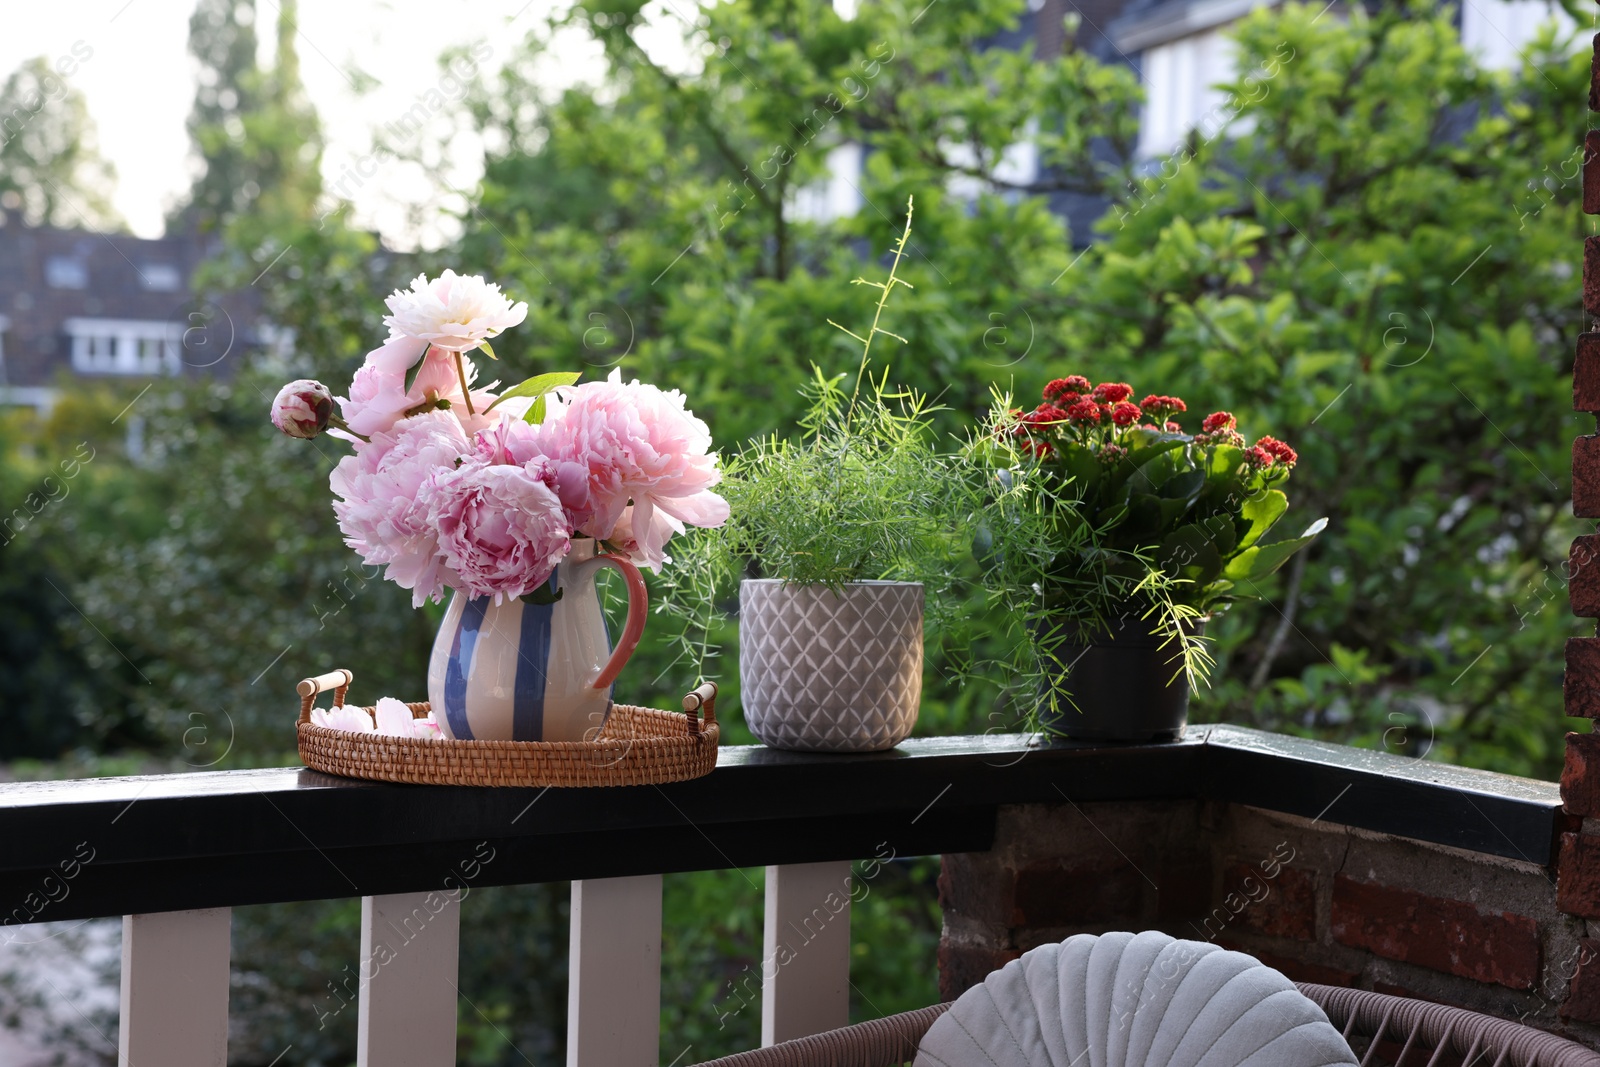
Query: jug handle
{"type": "Point", "coordinates": [633, 628]}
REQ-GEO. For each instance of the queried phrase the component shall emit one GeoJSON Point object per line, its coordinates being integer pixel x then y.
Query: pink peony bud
{"type": "Point", "coordinates": [302, 408]}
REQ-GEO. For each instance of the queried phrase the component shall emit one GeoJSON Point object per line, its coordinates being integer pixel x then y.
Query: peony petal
{"type": "Point", "coordinates": [704, 508]}
{"type": "Point", "coordinates": [393, 717]}
{"type": "Point", "coordinates": [348, 718]}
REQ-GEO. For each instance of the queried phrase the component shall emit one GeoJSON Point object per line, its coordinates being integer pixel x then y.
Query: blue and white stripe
{"type": "Point", "coordinates": [518, 671]}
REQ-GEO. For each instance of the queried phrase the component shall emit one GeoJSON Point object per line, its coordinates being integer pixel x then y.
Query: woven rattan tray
{"type": "Point", "coordinates": [637, 746]}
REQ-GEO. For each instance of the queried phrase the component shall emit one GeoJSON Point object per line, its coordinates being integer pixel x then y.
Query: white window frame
{"type": "Point", "coordinates": [125, 347]}
{"type": "Point", "coordinates": [161, 277]}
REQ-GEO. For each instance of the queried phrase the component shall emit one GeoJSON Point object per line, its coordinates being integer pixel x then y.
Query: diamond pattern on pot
{"type": "Point", "coordinates": [829, 672]}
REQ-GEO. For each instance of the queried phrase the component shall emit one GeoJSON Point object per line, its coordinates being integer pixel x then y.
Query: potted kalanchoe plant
{"type": "Point", "coordinates": [1143, 531]}
{"type": "Point", "coordinates": [511, 499]}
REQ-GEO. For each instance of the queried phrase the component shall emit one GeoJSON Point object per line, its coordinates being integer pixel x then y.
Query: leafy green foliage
{"type": "Point", "coordinates": [258, 138]}
{"type": "Point", "coordinates": [1193, 505]}
{"type": "Point", "coordinates": [843, 504]}
{"type": "Point", "coordinates": [866, 492]}
{"type": "Point", "coordinates": [1318, 273]}
{"type": "Point", "coordinates": [51, 170]}
{"type": "Point", "coordinates": [711, 934]}
{"type": "Point", "coordinates": [1377, 270]}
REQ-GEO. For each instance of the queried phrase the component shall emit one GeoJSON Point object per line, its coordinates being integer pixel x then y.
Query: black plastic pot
{"type": "Point", "coordinates": [1121, 686]}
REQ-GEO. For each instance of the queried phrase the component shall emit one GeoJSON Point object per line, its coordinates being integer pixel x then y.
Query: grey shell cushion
{"type": "Point", "coordinates": [1133, 1000]}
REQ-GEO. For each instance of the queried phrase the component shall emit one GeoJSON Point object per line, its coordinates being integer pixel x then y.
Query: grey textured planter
{"type": "Point", "coordinates": [825, 672]}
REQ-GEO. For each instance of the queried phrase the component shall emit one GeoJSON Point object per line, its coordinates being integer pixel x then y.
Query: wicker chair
{"type": "Point", "coordinates": [1384, 1031]}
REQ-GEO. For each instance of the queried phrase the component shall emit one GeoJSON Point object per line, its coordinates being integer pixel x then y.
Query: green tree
{"type": "Point", "coordinates": [1307, 261]}
{"type": "Point", "coordinates": [256, 137]}
{"type": "Point", "coordinates": [69, 690]}
{"type": "Point", "coordinates": [50, 166]}
{"type": "Point", "coordinates": [1378, 269]}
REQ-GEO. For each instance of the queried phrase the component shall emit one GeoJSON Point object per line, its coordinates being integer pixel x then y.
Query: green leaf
{"type": "Point", "coordinates": [1261, 511]}
{"type": "Point", "coordinates": [1225, 461]}
{"type": "Point", "coordinates": [1145, 517]}
{"type": "Point", "coordinates": [538, 385]}
{"type": "Point", "coordinates": [1151, 473]}
{"type": "Point", "coordinates": [1188, 552]}
{"type": "Point", "coordinates": [1184, 486]}
{"type": "Point", "coordinates": [416, 369]}
{"type": "Point", "coordinates": [535, 414]}
{"type": "Point", "coordinates": [1223, 534]}
{"type": "Point", "coordinates": [1172, 511]}
{"type": "Point", "coordinates": [1112, 517]}
{"type": "Point", "coordinates": [1258, 561]}
{"type": "Point", "coordinates": [1083, 465]}
{"type": "Point", "coordinates": [484, 344]}
{"type": "Point", "coordinates": [1162, 443]}
{"type": "Point", "coordinates": [542, 595]}
{"type": "Point", "coordinates": [1217, 592]}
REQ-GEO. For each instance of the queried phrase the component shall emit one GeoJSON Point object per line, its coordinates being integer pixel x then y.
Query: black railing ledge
{"type": "Point", "coordinates": [207, 839]}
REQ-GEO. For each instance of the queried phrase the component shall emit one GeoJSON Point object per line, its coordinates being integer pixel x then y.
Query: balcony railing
{"type": "Point", "coordinates": [173, 853]}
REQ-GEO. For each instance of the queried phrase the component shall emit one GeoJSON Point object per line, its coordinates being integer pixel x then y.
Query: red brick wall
{"type": "Point", "coordinates": [1319, 901]}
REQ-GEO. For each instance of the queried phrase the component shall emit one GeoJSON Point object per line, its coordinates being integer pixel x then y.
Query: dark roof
{"type": "Point", "coordinates": [50, 277]}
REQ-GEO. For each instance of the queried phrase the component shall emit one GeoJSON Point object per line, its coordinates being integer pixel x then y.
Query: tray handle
{"type": "Point", "coordinates": [703, 699]}
{"type": "Point", "coordinates": [339, 681]}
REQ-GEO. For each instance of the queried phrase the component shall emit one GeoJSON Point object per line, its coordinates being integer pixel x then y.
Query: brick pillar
{"type": "Point", "coordinates": [1578, 867]}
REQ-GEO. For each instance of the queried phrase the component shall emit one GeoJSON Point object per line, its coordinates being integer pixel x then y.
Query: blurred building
{"type": "Point", "coordinates": [1181, 52]}
{"type": "Point", "coordinates": [76, 304]}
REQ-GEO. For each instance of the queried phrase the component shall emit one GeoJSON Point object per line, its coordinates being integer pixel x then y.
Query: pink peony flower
{"type": "Point", "coordinates": [501, 528]}
{"type": "Point", "coordinates": [516, 442]}
{"type": "Point", "coordinates": [639, 446]}
{"type": "Point", "coordinates": [380, 509]}
{"type": "Point", "coordinates": [395, 720]}
{"type": "Point", "coordinates": [302, 408]}
{"type": "Point", "coordinates": [509, 441]}
{"type": "Point", "coordinates": [452, 312]}
{"type": "Point", "coordinates": [379, 397]}
{"type": "Point", "coordinates": [346, 717]}
{"type": "Point", "coordinates": [625, 541]}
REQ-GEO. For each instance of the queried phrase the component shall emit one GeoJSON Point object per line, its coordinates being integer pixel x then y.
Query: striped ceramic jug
{"type": "Point", "coordinates": [521, 671]}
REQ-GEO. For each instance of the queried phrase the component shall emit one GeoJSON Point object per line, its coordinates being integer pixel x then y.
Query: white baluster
{"type": "Point", "coordinates": [175, 989]}
{"type": "Point", "coordinates": [805, 987]}
{"type": "Point", "coordinates": [614, 973]}
{"type": "Point", "coordinates": [410, 956]}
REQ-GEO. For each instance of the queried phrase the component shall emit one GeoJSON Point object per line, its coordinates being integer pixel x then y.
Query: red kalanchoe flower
{"type": "Point", "coordinates": [1084, 413]}
{"type": "Point", "coordinates": [1058, 390]}
{"type": "Point", "coordinates": [1126, 414]}
{"type": "Point", "coordinates": [1040, 420]}
{"type": "Point", "coordinates": [1258, 457]}
{"type": "Point", "coordinates": [1218, 420]}
{"type": "Point", "coordinates": [1173, 427]}
{"type": "Point", "coordinates": [1112, 392]}
{"type": "Point", "coordinates": [1279, 451]}
{"type": "Point", "coordinates": [1161, 407]}
{"type": "Point", "coordinates": [1221, 437]}
{"type": "Point", "coordinates": [1111, 453]}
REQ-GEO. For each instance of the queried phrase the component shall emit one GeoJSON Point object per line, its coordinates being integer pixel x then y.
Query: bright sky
{"type": "Point", "coordinates": [139, 84]}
